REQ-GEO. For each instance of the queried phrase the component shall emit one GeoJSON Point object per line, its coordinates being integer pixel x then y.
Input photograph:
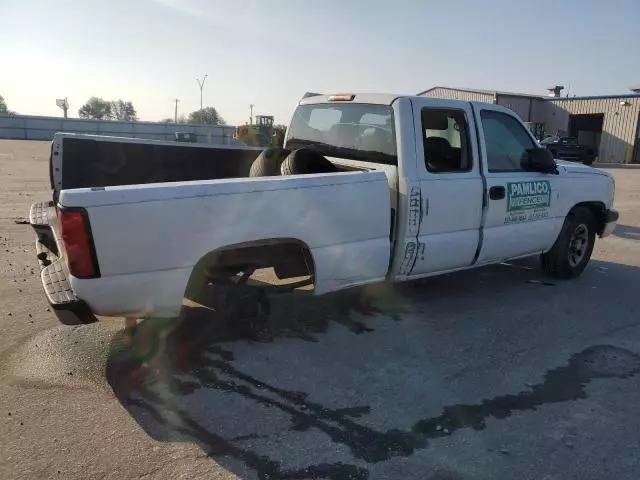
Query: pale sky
{"type": "Point", "coordinates": [270, 53]}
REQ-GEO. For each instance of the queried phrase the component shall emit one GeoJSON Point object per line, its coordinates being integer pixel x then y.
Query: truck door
{"type": "Point", "coordinates": [445, 201]}
{"type": "Point", "coordinates": [521, 206]}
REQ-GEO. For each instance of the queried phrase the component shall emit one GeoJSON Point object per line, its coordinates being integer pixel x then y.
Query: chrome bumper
{"type": "Point", "coordinates": [54, 274]}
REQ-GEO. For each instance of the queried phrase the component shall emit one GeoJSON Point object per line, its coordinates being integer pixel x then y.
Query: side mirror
{"type": "Point", "coordinates": [538, 159]}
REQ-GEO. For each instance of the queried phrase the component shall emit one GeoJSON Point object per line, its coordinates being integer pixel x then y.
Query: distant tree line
{"type": "Point", "coordinates": [3, 107]}
{"type": "Point", "coordinates": [98, 109]}
{"type": "Point", "coordinates": [206, 116]}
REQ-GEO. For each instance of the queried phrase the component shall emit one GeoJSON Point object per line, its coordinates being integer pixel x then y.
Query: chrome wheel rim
{"type": "Point", "coordinates": [578, 245]}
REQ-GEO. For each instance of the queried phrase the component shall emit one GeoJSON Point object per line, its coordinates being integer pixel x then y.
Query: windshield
{"type": "Point", "coordinates": [355, 131]}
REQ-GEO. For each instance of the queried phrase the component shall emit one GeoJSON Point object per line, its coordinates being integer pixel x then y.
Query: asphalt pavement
{"type": "Point", "coordinates": [494, 373]}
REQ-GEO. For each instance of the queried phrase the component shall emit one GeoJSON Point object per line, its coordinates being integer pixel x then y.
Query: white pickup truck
{"type": "Point", "coordinates": [376, 188]}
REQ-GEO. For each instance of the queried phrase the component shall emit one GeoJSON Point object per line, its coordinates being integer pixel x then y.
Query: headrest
{"type": "Point", "coordinates": [435, 121]}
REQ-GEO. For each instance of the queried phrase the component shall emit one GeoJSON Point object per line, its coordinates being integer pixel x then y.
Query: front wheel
{"type": "Point", "coordinates": [570, 254]}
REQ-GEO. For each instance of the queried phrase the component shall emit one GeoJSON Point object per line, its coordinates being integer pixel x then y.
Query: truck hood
{"type": "Point", "coordinates": [579, 168]}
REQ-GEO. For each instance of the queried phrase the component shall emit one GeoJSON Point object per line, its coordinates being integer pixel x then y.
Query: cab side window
{"type": "Point", "coordinates": [505, 141]}
{"type": "Point", "coordinates": [446, 140]}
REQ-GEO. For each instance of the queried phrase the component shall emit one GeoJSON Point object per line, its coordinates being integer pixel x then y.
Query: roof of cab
{"type": "Point", "coordinates": [377, 99]}
{"type": "Point", "coordinates": [371, 98]}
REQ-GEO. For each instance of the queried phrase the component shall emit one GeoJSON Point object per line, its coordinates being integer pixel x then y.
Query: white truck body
{"type": "Point", "coordinates": [372, 222]}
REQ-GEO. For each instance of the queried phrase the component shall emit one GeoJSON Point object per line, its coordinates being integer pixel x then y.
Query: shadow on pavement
{"type": "Point", "coordinates": [80, 314]}
{"type": "Point", "coordinates": [329, 401]}
{"type": "Point", "coordinates": [627, 231]}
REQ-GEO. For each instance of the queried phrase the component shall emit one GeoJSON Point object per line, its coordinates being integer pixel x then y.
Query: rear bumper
{"type": "Point", "coordinates": [610, 222]}
{"type": "Point", "coordinates": [70, 309]}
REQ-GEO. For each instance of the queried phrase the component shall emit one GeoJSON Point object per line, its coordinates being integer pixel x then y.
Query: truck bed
{"type": "Point", "coordinates": [80, 161]}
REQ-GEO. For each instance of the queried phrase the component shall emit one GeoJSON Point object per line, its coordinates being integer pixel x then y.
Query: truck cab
{"type": "Point", "coordinates": [460, 195]}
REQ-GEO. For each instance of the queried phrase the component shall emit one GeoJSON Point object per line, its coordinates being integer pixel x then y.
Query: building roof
{"type": "Point", "coordinates": [596, 97]}
{"type": "Point", "coordinates": [486, 92]}
{"type": "Point", "coordinates": [528, 95]}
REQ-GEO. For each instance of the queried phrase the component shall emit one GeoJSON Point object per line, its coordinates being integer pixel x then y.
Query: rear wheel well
{"type": "Point", "coordinates": [288, 257]}
{"type": "Point", "coordinates": [598, 210]}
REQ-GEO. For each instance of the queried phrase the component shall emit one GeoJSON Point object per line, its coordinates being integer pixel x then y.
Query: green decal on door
{"type": "Point", "coordinates": [528, 201]}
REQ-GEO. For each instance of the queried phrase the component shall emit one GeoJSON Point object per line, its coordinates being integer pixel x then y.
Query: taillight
{"type": "Point", "coordinates": [78, 243]}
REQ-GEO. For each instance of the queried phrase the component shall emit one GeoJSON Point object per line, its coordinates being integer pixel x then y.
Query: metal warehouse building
{"type": "Point", "coordinates": [608, 123]}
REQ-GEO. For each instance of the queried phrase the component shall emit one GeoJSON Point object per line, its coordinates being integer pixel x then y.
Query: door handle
{"type": "Point", "coordinates": [497, 193]}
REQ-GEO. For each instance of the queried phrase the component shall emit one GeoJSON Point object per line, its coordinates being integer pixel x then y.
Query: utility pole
{"type": "Point", "coordinates": [201, 85]}
{"type": "Point", "coordinates": [251, 114]}
{"type": "Point", "coordinates": [175, 115]}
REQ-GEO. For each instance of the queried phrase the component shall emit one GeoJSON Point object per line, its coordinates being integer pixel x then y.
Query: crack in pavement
{"type": "Point", "coordinates": [562, 384]}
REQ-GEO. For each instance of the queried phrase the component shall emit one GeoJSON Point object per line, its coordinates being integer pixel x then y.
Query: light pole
{"type": "Point", "coordinates": [251, 114]}
{"type": "Point", "coordinates": [201, 85]}
{"type": "Point", "coordinates": [63, 103]}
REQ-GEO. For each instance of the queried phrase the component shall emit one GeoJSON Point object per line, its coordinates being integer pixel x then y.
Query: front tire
{"type": "Point", "coordinates": [572, 250]}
